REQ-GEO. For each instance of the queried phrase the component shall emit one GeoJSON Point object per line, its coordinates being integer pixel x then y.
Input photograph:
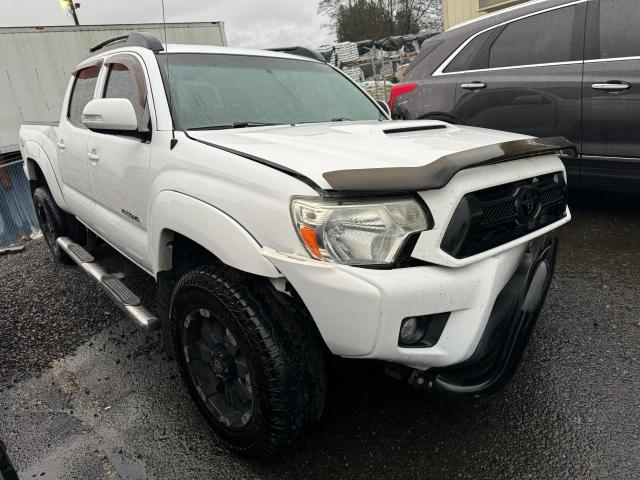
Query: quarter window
{"type": "Point", "coordinates": [84, 88]}
{"type": "Point", "coordinates": [125, 79]}
{"type": "Point", "coordinates": [619, 32]}
{"type": "Point", "coordinates": [475, 55]}
{"type": "Point", "coordinates": [542, 38]}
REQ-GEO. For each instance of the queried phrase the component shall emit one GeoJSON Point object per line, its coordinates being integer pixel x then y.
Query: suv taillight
{"type": "Point", "coordinates": [400, 89]}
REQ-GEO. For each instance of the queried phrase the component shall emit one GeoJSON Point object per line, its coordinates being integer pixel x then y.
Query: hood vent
{"type": "Point", "coordinates": [421, 128]}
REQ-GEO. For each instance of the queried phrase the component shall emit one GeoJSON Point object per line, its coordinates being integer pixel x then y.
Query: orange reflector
{"type": "Point", "coordinates": [310, 238]}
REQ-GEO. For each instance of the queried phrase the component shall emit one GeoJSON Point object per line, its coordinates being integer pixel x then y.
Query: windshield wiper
{"type": "Point", "coordinates": [342, 119]}
{"type": "Point", "coordinates": [235, 125]}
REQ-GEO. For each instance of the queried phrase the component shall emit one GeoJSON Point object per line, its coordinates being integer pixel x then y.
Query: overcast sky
{"type": "Point", "coordinates": [248, 23]}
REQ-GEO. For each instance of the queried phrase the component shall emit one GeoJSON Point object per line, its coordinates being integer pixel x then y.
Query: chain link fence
{"type": "Point", "coordinates": [17, 215]}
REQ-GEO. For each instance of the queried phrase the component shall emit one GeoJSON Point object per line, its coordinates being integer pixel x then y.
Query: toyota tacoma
{"type": "Point", "coordinates": [285, 217]}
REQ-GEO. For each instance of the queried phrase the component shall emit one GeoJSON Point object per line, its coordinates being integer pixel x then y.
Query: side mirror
{"type": "Point", "coordinates": [385, 107]}
{"type": "Point", "coordinates": [110, 114]}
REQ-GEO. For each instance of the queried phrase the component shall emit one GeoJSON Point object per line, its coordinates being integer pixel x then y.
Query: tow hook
{"type": "Point", "coordinates": [420, 379]}
{"type": "Point", "coordinates": [416, 378]}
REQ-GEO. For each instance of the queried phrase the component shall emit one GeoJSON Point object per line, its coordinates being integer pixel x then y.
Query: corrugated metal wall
{"type": "Point", "coordinates": [36, 63]}
{"type": "Point", "coordinates": [456, 11]}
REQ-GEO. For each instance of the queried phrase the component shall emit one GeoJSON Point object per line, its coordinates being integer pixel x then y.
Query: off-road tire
{"type": "Point", "coordinates": [285, 360]}
{"type": "Point", "coordinates": [53, 222]}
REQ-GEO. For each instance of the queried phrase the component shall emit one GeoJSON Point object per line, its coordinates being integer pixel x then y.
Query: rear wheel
{"type": "Point", "coordinates": [244, 363]}
{"type": "Point", "coordinates": [52, 220]}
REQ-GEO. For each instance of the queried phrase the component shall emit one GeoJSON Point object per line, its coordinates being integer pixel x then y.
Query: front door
{"type": "Point", "coordinates": [611, 97]}
{"type": "Point", "coordinates": [71, 145]}
{"type": "Point", "coordinates": [119, 164]}
{"type": "Point", "coordinates": [525, 76]}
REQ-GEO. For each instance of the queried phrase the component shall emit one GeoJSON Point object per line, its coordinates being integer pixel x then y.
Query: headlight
{"type": "Point", "coordinates": [356, 232]}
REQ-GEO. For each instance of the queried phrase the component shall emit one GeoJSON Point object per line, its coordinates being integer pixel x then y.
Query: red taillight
{"type": "Point", "coordinates": [400, 89]}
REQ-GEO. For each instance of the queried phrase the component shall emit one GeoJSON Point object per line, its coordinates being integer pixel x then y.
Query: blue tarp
{"type": "Point", "coordinates": [17, 216]}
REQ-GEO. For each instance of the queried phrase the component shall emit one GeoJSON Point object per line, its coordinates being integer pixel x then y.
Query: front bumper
{"type": "Point", "coordinates": [359, 311]}
{"type": "Point", "coordinates": [514, 315]}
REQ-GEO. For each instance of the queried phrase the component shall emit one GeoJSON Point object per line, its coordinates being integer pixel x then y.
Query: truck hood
{"type": "Point", "coordinates": [315, 151]}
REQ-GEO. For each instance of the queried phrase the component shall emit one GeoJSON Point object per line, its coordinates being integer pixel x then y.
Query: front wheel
{"type": "Point", "coordinates": [52, 222]}
{"type": "Point", "coordinates": [243, 362]}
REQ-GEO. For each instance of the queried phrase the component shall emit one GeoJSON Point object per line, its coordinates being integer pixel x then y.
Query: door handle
{"type": "Point", "coordinates": [611, 87]}
{"type": "Point", "coordinates": [61, 145]}
{"type": "Point", "coordinates": [474, 86]}
{"type": "Point", "coordinates": [93, 157]}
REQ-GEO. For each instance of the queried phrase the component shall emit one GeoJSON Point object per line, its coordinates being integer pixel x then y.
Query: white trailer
{"type": "Point", "coordinates": [36, 64]}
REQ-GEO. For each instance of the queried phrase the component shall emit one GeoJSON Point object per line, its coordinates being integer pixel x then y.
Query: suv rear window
{"type": "Point", "coordinates": [543, 38]}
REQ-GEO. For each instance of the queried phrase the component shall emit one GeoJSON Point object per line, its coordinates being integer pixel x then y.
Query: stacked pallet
{"type": "Point", "coordinates": [346, 52]}
{"type": "Point", "coordinates": [378, 90]}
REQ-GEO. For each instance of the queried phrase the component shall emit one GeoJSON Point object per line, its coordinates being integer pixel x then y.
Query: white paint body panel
{"type": "Point", "coordinates": [315, 149]}
{"type": "Point", "coordinates": [359, 311]}
{"type": "Point", "coordinates": [239, 209]}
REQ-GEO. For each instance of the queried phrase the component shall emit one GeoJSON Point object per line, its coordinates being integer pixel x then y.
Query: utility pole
{"type": "Point", "coordinates": [72, 8]}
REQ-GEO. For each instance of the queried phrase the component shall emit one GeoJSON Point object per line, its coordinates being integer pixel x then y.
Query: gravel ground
{"type": "Point", "coordinates": [83, 394]}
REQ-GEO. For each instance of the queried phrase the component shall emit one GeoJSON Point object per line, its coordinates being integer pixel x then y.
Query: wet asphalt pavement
{"type": "Point", "coordinates": [85, 395]}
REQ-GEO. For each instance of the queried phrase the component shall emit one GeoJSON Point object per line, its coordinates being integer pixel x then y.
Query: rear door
{"type": "Point", "coordinates": [119, 162]}
{"type": "Point", "coordinates": [524, 76]}
{"type": "Point", "coordinates": [611, 97]}
{"type": "Point", "coordinates": [72, 144]}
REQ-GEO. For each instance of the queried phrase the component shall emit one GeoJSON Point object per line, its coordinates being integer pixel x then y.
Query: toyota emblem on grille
{"type": "Point", "coordinates": [528, 205]}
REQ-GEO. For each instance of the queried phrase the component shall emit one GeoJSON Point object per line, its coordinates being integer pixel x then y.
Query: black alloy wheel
{"type": "Point", "coordinates": [218, 368]}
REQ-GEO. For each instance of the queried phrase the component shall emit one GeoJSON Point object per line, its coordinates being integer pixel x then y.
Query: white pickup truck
{"type": "Point", "coordinates": [285, 218]}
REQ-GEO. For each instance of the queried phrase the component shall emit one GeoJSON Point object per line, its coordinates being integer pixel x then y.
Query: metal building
{"type": "Point", "coordinates": [457, 11]}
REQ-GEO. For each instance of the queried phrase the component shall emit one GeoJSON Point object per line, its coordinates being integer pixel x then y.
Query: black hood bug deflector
{"type": "Point", "coordinates": [439, 173]}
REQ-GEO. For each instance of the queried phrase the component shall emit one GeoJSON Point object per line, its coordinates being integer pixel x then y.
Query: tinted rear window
{"type": "Point", "coordinates": [474, 56]}
{"type": "Point", "coordinates": [542, 38]}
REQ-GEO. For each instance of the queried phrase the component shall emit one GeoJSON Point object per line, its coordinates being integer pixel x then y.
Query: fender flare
{"type": "Point", "coordinates": [33, 153]}
{"type": "Point", "coordinates": [217, 232]}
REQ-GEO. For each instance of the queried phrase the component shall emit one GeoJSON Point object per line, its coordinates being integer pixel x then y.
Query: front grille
{"type": "Point", "coordinates": [494, 216]}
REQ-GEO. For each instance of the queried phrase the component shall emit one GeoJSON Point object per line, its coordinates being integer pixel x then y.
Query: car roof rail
{"type": "Point", "coordinates": [300, 51]}
{"type": "Point", "coordinates": [133, 39]}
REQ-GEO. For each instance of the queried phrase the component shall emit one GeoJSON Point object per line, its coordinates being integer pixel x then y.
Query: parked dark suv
{"type": "Point", "coordinates": [545, 68]}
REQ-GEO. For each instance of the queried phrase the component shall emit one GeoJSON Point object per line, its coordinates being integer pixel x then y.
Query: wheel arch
{"type": "Point", "coordinates": [39, 171]}
{"type": "Point", "coordinates": [180, 221]}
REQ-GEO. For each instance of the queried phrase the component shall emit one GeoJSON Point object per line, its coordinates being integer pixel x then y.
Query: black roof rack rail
{"type": "Point", "coordinates": [300, 51]}
{"type": "Point", "coordinates": [134, 39]}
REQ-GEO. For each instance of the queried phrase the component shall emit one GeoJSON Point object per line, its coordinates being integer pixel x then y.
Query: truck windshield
{"type": "Point", "coordinates": [237, 91]}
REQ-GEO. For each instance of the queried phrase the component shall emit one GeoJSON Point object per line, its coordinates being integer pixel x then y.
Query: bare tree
{"type": "Point", "coordinates": [354, 20]}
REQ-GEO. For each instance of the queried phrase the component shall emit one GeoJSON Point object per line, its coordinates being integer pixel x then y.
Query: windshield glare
{"type": "Point", "coordinates": [213, 90]}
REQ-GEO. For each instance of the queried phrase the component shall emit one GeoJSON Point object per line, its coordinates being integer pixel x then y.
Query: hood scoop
{"type": "Point", "coordinates": [421, 128]}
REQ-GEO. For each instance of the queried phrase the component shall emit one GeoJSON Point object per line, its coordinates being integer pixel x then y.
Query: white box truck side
{"type": "Point", "coordinates": [36, 64]}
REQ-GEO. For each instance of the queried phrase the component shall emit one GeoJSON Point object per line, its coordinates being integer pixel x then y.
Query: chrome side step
{"type": "Point", "coordinates": [128, 302]}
